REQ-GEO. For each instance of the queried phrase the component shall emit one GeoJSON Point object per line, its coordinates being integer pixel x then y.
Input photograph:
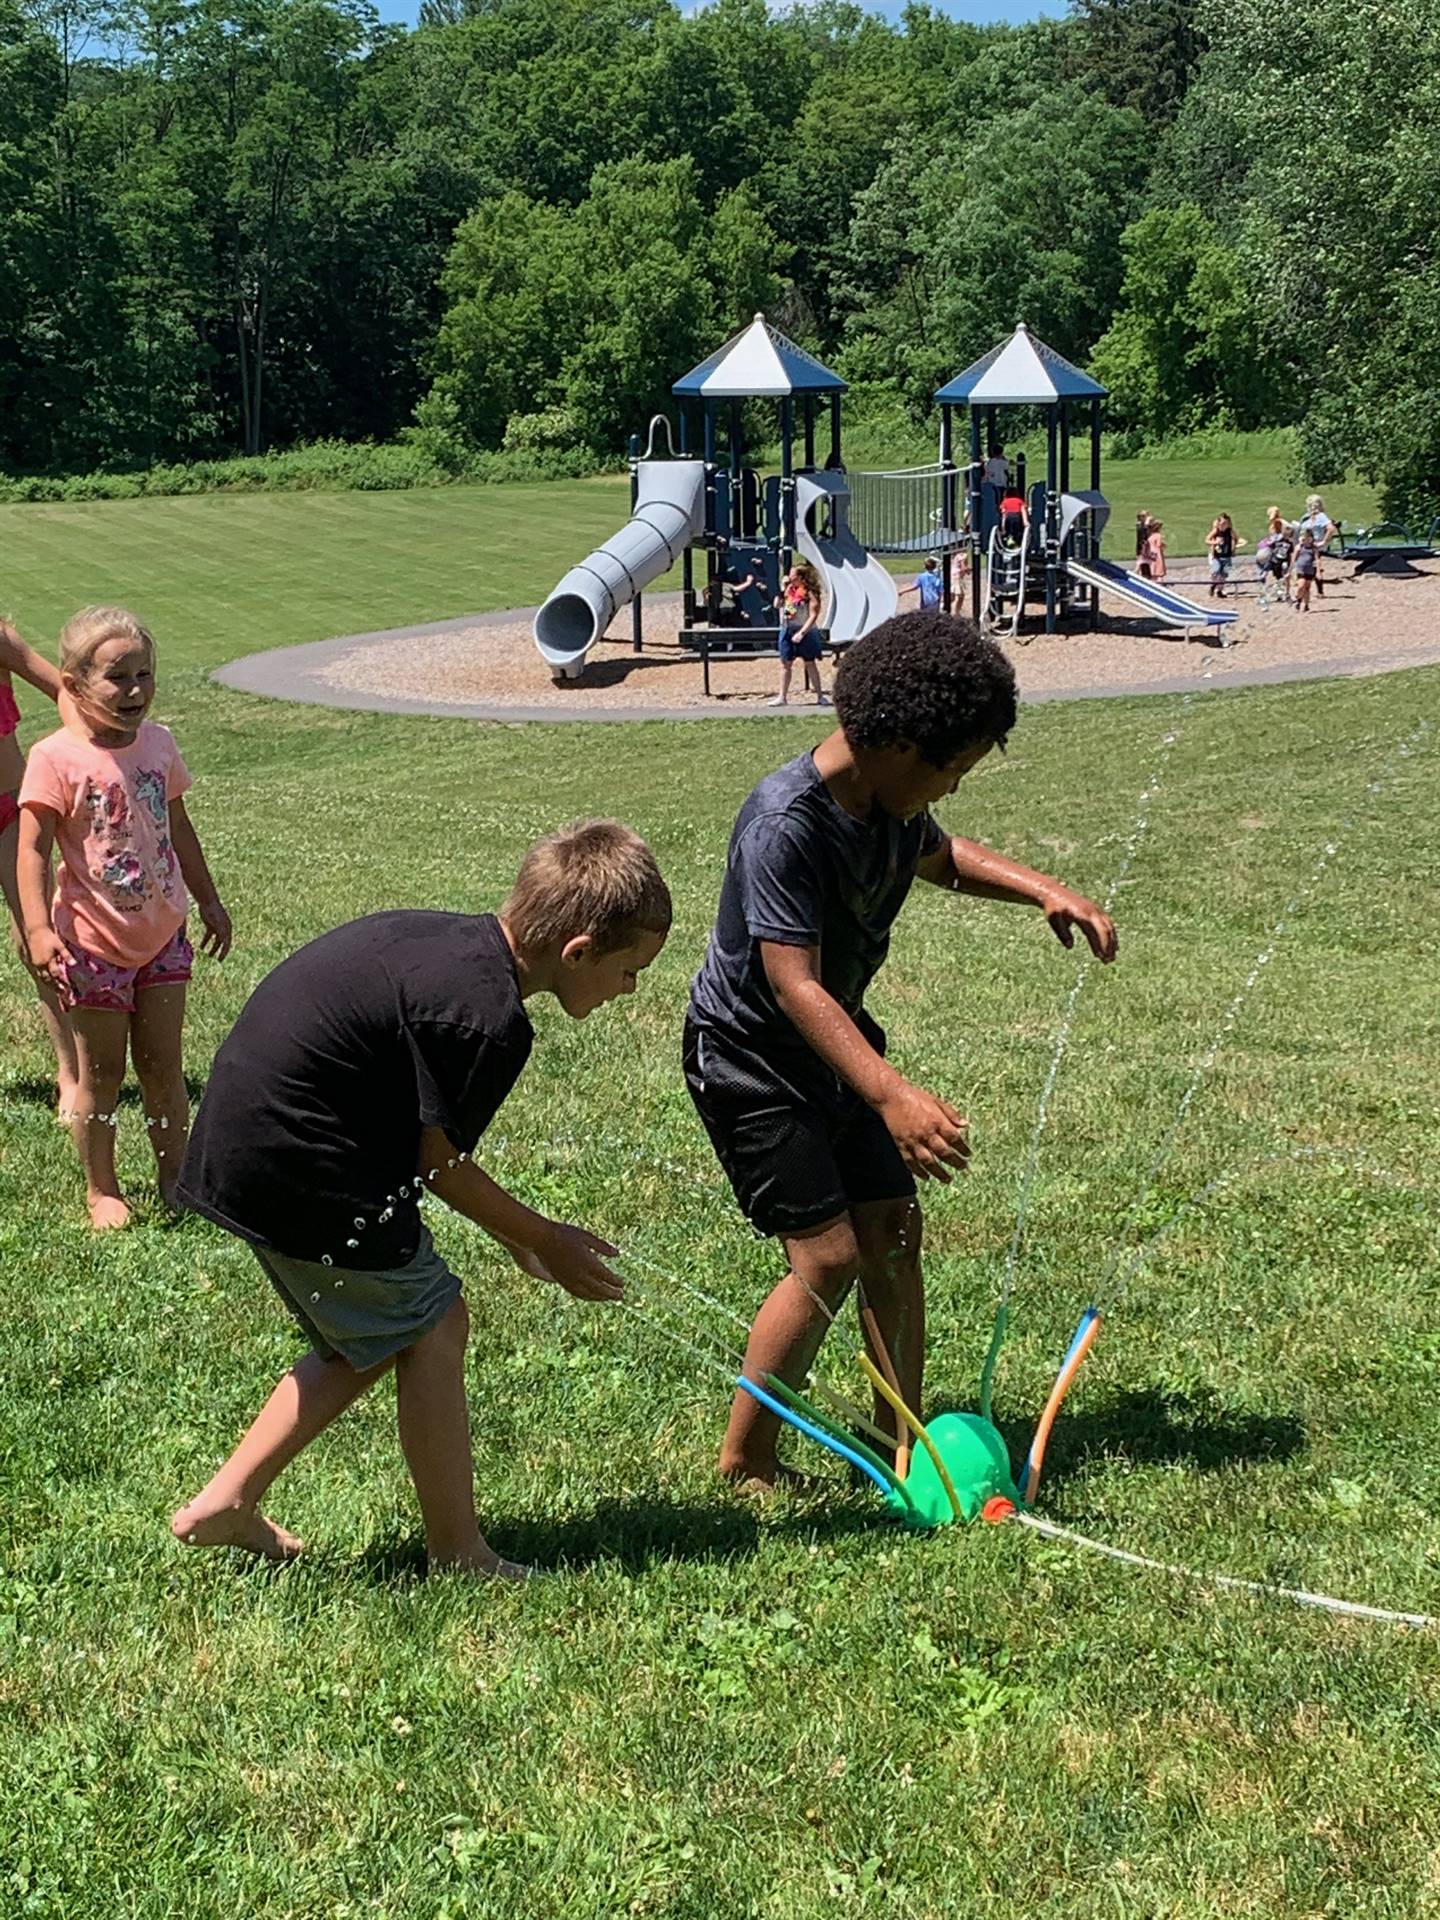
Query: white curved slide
{"type": "Point", "coordinates": [669, 513]}
{"type": "Point", "coordinates": [1157, 600]}
{"type": "Point", "coordinates": [859, 592]}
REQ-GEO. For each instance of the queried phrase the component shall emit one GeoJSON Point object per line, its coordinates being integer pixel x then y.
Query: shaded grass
{"type": "Point", "coordinates": [711, 1709]}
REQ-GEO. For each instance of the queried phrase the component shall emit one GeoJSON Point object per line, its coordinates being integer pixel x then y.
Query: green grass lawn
{"type": "Point", "coordinates": [710, 1710]}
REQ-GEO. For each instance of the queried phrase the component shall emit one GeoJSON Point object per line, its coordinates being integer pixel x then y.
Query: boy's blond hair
{"type": "Point", "coordinates": [596, 877]}
{"type": "Point", "coordinates": [84, 633]}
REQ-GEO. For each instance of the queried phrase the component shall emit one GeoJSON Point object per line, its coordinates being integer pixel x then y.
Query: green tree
{"type": "Point", "coordinates": [1322, 142]}
{"type": "Point", "coordinates": [1184, 349]}
{"type": "Point", "coordinates": [952, 244]}
{"type": "Point", "coordinates": [595, 309]}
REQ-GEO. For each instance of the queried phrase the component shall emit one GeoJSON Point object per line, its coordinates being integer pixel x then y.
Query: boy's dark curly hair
{"type": "Point", "coordinates": [928, 678]}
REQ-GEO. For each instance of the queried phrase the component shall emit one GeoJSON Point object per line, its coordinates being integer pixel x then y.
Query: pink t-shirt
{"type": "Point", "coordinates": [120, 895]}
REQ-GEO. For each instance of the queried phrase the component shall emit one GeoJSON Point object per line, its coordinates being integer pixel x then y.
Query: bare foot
{"type": "Point", "coordinates": [234, 1527]}
{"type": "Point", "coordinates": [107, 1211]}
{"type": "Point", "coordinates": [485, 1565]}
{"type": "Point", "coordinates": [763, 1483]}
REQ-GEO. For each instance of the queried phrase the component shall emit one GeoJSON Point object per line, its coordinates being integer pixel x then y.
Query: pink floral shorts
{"type": "Point", "coordinates": [99, 986]}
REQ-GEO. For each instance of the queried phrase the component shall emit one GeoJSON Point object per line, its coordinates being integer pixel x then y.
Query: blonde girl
{"type": "Point", "coordinates": [106, 792]}
{"type": "Point", "coordinates": [800, 601]}
{"type": "Point", "coordinates": [17, 658]}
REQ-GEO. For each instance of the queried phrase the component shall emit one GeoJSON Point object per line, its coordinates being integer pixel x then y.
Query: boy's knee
{"type": "Point", "coordinates": [890, 1233]}
{"type": "Point", "coordinates": [828, 1263]}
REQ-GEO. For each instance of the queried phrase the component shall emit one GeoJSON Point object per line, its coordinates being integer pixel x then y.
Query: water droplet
{"type": "Point", "coordinates": [359, 1224]}
{"type": "Point", "coordinates": [352, 1243]}
{"type": "Point", "coordinates": [314, 1296]}
{"type": "Point", "coordinates": [326, 1261]}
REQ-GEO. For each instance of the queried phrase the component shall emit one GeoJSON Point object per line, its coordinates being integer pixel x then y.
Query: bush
{"type": "Point", "coordinates": [420, 458]}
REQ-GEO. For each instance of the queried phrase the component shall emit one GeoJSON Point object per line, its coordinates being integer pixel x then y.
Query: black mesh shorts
{"type": "Point", "coordinates": [793, 1163]}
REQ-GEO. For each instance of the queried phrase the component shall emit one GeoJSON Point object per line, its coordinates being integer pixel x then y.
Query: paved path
{"type": "Point", "coordinates": [295, 673]}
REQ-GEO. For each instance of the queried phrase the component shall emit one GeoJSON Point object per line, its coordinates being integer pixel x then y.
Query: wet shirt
{"type": "Point", "coordinates": [120, 895]}
{"type": "Point", "coordinates": [802, 872]}
{"type": "Point", "coordinates": [307, 1139]}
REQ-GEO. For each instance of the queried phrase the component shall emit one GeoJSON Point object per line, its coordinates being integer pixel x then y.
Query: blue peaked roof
{"type": "Point", "coordinates": [1021, 371]}
{"type": "Point", "coordinates": [758, 363]}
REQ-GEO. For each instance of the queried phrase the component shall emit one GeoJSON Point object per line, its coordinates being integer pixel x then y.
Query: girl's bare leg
{"type": "Point", "coordinates": [155, 1031]}
{"type": "Point", "coordinates": [435, 1434]}
{"type": "Point", "coordinates": [226, 1513]}
{"type": "Point", "coordinates": [785, 1339]}
{"type": "Point", "coordinates": [101, 1037]}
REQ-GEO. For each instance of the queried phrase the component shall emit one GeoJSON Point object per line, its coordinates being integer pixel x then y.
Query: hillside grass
{"type": "Point", "coordinates": [708, 1708]}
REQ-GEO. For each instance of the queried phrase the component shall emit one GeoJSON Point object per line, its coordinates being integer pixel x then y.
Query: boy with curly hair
{"type": "Point", "coordinates": [821, 1138]}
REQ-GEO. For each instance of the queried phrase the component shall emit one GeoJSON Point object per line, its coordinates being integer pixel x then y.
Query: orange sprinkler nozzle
{"type": "Point", "coordinates": [997, 1509]}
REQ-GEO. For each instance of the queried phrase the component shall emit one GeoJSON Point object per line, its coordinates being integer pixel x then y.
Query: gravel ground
{"type": "Point", "coordinates": [1361, 626]}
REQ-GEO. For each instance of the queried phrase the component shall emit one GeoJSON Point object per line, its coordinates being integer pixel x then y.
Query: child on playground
{"type": "Point", "coordinates": [1306, 569]}
{"type": "Point", "coordinates": [1223, 542]}
{"type": "Point", "coordinates": [929, 584]}
{"type": "Point", "coordinates": [800, 600]}
{"type": "Point", "coordinates": [1153, 564]}
{"type": "Point", "coordinates": [821, 1138]}
{"type": "Point", "coordinates": [1273, 554]}
{"type": "Point", "coordinates": [1014, 517]}
{"type": "Point", "coordinates": [18, 658]}
{"type": "Point", "coordinates": [1142, 533]}
{"type": "Point", "coordinates": [107, 790]}
{"type": "Point", "coordinates": [360, 1073]}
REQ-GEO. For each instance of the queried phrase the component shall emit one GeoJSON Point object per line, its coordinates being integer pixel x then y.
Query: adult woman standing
{"type": "Point", "coordinates": [1318, 522]}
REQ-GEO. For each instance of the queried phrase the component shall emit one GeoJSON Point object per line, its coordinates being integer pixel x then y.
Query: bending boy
{"type": "Point", "coordinates": [360, 1073]}
{"type": "Point", "coordinates": [821, 1138]}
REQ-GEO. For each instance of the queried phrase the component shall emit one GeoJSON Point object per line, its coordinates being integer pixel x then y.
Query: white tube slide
{"type": "Point", "coordinates": [669, 514]}
{"type": "Point", "coordinates": [859, 591]}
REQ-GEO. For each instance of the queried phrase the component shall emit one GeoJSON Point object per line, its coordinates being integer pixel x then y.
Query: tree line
{"type": "Point", "coordinates": [232, 225]}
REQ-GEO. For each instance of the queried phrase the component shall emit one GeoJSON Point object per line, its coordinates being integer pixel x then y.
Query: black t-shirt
{"type": "Point", "coordinates": [308, 1135]}
{"type": "Point", "coordinates": [803, 872]}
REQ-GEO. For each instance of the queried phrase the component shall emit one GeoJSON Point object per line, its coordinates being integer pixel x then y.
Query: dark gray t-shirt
{"type": "Point", "coordinates": [802, 872]}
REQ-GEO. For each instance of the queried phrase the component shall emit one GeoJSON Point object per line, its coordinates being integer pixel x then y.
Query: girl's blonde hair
{"type": "Point", "coordinates": [1272, 514]}
{"type": "Point", "coordinates": [1314, 504]}
{"type": "Point", "coordinates": [84, 633]}
{"type": "Point", "coordinates": [803, 570]}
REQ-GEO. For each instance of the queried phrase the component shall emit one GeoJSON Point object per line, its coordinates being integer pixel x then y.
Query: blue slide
{"type": "Point", "coordinates": [1149, 595]}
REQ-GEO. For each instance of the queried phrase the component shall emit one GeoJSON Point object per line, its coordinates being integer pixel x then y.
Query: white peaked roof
{"type": "Point", "coordinates": [759, 363]}
{"type": "Point", "coordinates": [1022, 371]}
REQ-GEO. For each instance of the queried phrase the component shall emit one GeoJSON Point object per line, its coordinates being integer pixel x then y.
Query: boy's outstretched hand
{"type": "Point", "coordinates": [574, 1260]}
{"type": "Point", "coordinates": [929, 1132]}
{"type": "Point", "coordinates": [1066, 910]}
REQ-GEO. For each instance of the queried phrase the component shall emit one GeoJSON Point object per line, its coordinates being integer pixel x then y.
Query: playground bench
{"type": "Point", "coordinates": [756, 643]}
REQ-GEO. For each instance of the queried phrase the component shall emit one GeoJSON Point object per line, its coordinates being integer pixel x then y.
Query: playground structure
{"type": "Point", "coordinates": [750, 527]}
{"type": "Point", "coordinates": [1390, 548]}
{"type": "Point", "coordinates": [1056, 556]}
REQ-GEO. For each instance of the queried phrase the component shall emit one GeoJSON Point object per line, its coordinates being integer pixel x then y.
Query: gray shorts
{"type": "Point", "coordinates": [364, 1317]}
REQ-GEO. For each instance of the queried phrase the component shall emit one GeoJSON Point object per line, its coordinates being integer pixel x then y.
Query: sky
{"type": "Point", "coordinates": [984, 11]}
